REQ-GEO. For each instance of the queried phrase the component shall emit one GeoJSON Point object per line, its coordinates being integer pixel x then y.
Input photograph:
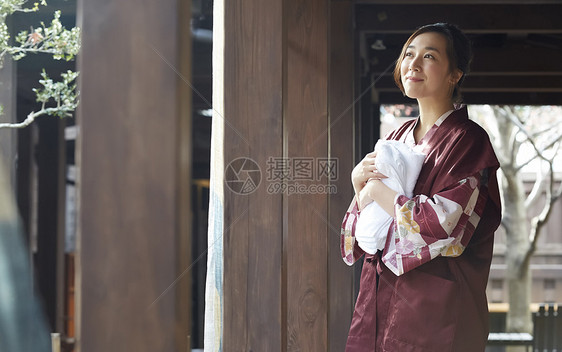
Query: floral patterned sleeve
{"type": "Point", "coordinates": [427, 227]}
{"type": "Point", "coordinates": [350, 251]}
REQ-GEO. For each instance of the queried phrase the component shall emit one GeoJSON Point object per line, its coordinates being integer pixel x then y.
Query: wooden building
{"type": "Point", "coordinates": [317, 78]}
{"type": "Point", "coordinates": [291, 80]}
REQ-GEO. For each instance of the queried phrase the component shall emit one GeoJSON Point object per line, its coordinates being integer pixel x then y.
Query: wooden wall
{"type": "Point", "coordinates": [306, 135]}
{"type": "Point", "coordinates": [288, 93]}
{"type": "Point", "coordinates": [253, 228]}
{"type": "Point", "coordinates": [134, 157]}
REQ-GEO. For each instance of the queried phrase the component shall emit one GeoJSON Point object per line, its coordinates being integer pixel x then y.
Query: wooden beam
{"type": "Point", "coordinates": [306, 126]}
{"type": "Point", "coordinates": [512, 58]}
{"type": "Point", "coordinates": [185, 236]}
{"type": "Point", "coordinates": [493, 18]}
{"type": "Point", "coordinates": [275, 243]}
{"type": "Point", "coordinates": [253, 130]}
{"type": "Point", "coordinates": [132, 182]}
{"type": "Point", "coordinates": [516, 98]}
{"type": "Point", "coordinates": [341, 117]}
{"type": "Point", "coordinates": [202, 92]}
{"type": "Point", "coordinates": [517, 58]}
{"type": "Point", "coordinates": [455, 2]}
{"type": "Point", "coordinates": [51, 191]}
{"type": "Point", "coordinates": [485, 98]}
{"type": "Point", "coordinates": [535, 83]}
{"type": "Point", "coordinates": [8, 140]}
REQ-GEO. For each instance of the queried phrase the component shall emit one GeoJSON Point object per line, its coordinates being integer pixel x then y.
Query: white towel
{"type": "Point", "coordinates": [402, 165]}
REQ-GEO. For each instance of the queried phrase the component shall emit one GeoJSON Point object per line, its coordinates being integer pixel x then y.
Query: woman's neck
{"type": "Point", "coordinates": [431, 111]}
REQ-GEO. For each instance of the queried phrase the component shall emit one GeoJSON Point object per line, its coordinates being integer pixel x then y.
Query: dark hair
{"type": "Point", "coordinates": [459, 52]}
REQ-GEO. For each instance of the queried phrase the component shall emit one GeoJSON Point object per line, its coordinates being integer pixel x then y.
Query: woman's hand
{"type": "Point", "coordinates": [364, 171]}
{"type": "Point", "coordinates": [364, 197]}
{"type": "Point", "coordinates": [377, 191]}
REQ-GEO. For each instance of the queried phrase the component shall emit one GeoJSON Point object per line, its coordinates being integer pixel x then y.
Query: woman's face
{"type": "Point", "coordinates": [425, 69]}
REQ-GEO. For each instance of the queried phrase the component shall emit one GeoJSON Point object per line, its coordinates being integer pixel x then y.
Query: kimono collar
{"type": "Point", "coordinates": [421, 144]}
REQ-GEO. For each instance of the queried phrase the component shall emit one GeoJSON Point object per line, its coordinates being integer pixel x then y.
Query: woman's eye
{"type": "Point", "coordinates": [408, 54]}
{"type": "Point", "coordinates": [429, 56]}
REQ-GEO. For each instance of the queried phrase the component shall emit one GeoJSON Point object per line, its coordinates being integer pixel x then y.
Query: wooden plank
{"type": "Point", "coordinates": [341, 110]}
{"type": "Point", "coordinates": [200, 244]}
{"type": "Point", "coordinates": [515, 98]}
{"type": "Point", "coordinates": [457, 2]}
{"type": "Point", "coordinates": [498, 18]}
{"type": "Point", "coordinates": [130, 187]}
{"type": "Point", "coordinates": [253, 59]}
{"type": "Point", "coordinates": [511, 58]}
{"type": "Point", "coordinates": [369, 121]}
{"type": "Point", "coordinates": [305, 126]}
{"type": "Point", "coordinates": [363, 100]}
{"type": "Point", "coordinates": [482, 82]}
{"type": "Point", "coordinates": [8, 141]}
{"type": "Point", "coordinates": [51, 197]}
{"type": "Point", "coordinates": [185, 235]}
{"type": "Point", "coordinates": [484, 98]}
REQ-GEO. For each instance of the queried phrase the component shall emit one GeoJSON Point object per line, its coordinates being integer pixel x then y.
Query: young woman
{"type": "Point", "coordinates": [426, 290]}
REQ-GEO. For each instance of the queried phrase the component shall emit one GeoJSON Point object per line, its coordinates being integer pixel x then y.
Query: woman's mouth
{"type": "Point", "coordinates": [414, 79]}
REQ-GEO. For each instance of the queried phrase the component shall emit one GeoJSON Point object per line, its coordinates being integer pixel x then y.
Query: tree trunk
{"type": "Point", "coordinates": [519, 315]}
{"type": "Point", "coordinates": [518, 274]}
{"type": "Point", "coordinates": [512, 123]}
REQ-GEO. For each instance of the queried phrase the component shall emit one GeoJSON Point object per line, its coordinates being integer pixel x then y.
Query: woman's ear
{"type": "Point", "coordinates": [456, 75]}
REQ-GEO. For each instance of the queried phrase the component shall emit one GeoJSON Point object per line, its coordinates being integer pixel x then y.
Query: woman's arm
{"type": "Point", "coordinates": [377, 191]}
{"type": "Point", "coordinates": [363, 172]}
{"type": "Point", "coordinates": [350, 251]}
{"type": "Point", "coordinates": [440, 225]}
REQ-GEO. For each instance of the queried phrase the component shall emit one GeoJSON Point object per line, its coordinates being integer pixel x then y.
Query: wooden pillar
{"type": "Point", "coordinates": [253, 129]}
{"type": "Point", "coordinates": [134, 158]}
{"type": "Point", "coordinates": [282, 290]}
{"type": "Point", "coordinates": [8, 89]}
{"type": "Point", "coordinates": [50, 156]}
{"type": "Point", "coordinates": [342, 109]}
{"type": "Point", "coordinates": [369, 126]}
{"type": "Point", "coordinates": [306, 136]}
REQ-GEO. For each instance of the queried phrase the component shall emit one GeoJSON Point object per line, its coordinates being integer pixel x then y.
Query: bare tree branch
{"type": "Point", "coordinates": [555, 143]}
{"type": "Point", "coordinates": [507, 138]}
{"type": "Point", "coordinates": [529, 138]}
{"type": "Point", "coordinates": [515, 146]}
{"type": "Point", "coordinates": [549, 128]}
{"type": "Point", "coordinates": [540, 128]}
{"type": "Point", "coordinates": [538, 221]}
{"type": "Point", "coordinates": [522, 165]}
{"type": "Point", "coordinates": [538, 188]}
{"type": "Point", "coordinates": [557, 194]}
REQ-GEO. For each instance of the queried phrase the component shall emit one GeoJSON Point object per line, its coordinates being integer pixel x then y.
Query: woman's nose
{"type": "Point", "coordinates": [414, 65]}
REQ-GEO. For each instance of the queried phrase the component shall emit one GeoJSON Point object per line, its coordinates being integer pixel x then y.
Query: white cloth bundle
{"type": "Point", "coordinates": [402, 165]}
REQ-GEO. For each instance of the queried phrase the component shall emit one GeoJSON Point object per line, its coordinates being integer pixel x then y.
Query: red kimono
{"type": "Point", "coordinates": [426, 291]}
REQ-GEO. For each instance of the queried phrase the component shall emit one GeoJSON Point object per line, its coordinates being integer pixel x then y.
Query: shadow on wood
{"type": "Point", "coordinates": [22, 324]}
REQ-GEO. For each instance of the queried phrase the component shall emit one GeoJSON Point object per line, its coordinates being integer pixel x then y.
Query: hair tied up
{"type": "Point", "coordinates": [459, 52]}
